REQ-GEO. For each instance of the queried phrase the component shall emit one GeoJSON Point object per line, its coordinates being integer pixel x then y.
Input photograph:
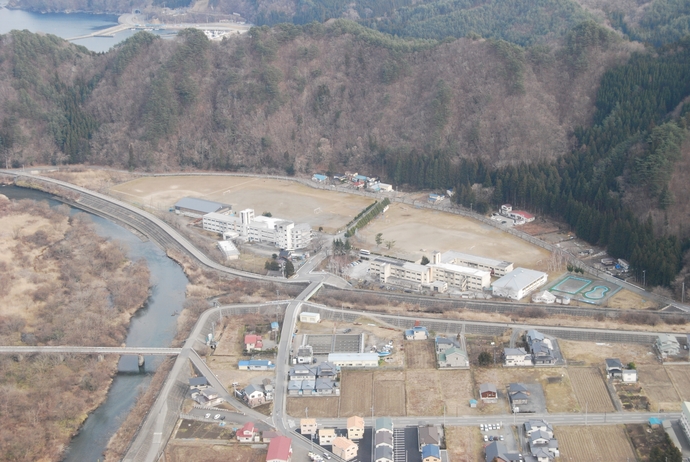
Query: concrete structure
{"type": "Point", "coordinates": [344, 448]}
{"type": "Point", "coordinates": [229, 250]}
{"type": "Point", "coordinates": [306, 316]}
{"type": "Point", "coordinates": [354, 359]}
{"type": "Point", "coordinates": [431, 453]}
{"type": "Point", "coordinates": [516, 357]}
{"type": "Point", "coordinates": [355, 428]}
{"type": "Point", "coordinates": [494, 267]}
{"type": "Point", "coordinates": [196, 208]}
{"type": "Point", "coordinates": [629, 375]}
{"type": "Point", "coordinates": [307, 426]}
{"type": "Point", "coordinates": [667, 345]}
{"type": "Point", "coordinates": [384, 268]}
{"type": "Point", "coordinates": [685, 419]}
{"type": "Point", "coordinates": [488, 393]}
{"type": "Point", "coordinates": [283, 234]}
{"type": "Point", "coordinates": [279, 450]}
{"type": "Point", "coordinates": [518, 283]}
{"type": "Point", "coordinates": [326, 436]}
{"type": "Point", "coordinates": [256, 365]}
{"type": "Point", "coordinates": [417, 333]}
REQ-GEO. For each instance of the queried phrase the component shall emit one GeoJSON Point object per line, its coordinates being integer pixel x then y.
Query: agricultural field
{"type": "Point", "coordinates": [286, 199]}
{"type": "Point", "coordinates": [198, 452]}
{"type": "Point", "coordinates": [318, 406]}
{"type": "Point", "coordinates": [594, 443]}
{"type": "Point", "coordinates": [632, 396]}
{"type": "Point", "coordinates": [410, 229]}
{"type": "Point", "coordinates": [420, 354]}
{"type": "Point", "coordinates": [594, 354]}
{"type": "Point", "coordinates": [657, 384]}
{"type": "Point", "coordinates": [423, 390]}
{"type": "Point", "coordinates": [193, 429]}
{"type": "Point", "coordinates": [389, 393]}
{"type": "Point", "coordinates": [680, 376]}
{"type": "Point", "coordinates": [464, 444]}
{"type": "Point", "coordinates": [356, 393]}
{"type": "Point", "coordinates": [590, 389]}
{"type": "Point", "coordinates": [457, 388]}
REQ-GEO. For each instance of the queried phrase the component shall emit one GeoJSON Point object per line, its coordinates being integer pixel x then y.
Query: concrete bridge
{"type": "Point", "coordinates": [139, 351]}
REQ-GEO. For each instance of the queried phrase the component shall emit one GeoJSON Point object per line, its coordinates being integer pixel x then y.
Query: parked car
{"type": "Point", "coordinates": [502, 438]}
{"type": "Point", "coordinates": [208, 415]}
{"type": "Point", "coordinates": [216, 417]}
{"type": "Point", "coordinates": [486, 438]}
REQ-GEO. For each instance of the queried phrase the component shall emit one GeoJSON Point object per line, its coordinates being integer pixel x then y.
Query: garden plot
{"type": "Point", "coordinates": [658, 387]}
{"type": "Point", "coordinates": [590, 389]}
{"type": "Point", "coordinates": [594, 443]}
{"type": "Point", "coordinates": [420, 354]}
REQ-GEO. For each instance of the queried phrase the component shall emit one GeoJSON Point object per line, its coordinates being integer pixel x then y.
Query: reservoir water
{"type": "Point", "coordinates": [152, 326]}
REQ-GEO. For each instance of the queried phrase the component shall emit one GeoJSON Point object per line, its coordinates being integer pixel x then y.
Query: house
{"type": "Point", "coordinates": [629, 375]}
{"type": "Point", "coordinates": [516, 357]}
{"type": "Point", "coordinates": [247, 433]}
{"type": "Point", "coordinates": [532, 426]}
{"type": "Point", "coordinates": [453, 357]}
{"type": "Point", "coordinates": [533, 336]}
{"type": "Point", "coordinates": [198, 382]}
{"type": "Point", "coordinates": [614, 368]}
{"type": "Point", "coordinates": [279, 450]}
{"type": "Point", "coordinates": [306, 316]}
{"type": "Point", "coordinates": [542, 353]}
{"type": "Point", "coordinates": [667, 345]}
{"type": "Point", "coordinates": [431, 453]}
{"type": "Point", "coordinates": [355, 428]}
{"type": "Point", "coordinates": [417, 333]}
{"type": "Point", "coordinates": [326, 386]}
{"type": "Point", "coordinates": [268, 435]}
{"type": "Point", "coordinates": [275, 326]}
{"type": "Point", "coordinates": [344, 448]}
{"type": "Point", "coordinates": [253, 342]}
{"type": "Point", "coordinates": [518, 394]}
{"type": "Point", "coordinates": [254, 395]}
{"type": "Point", "coordinates": [326, 436]}
{"type": "Point", "coordinates": [383, 424]}
{"type": "Point", "coordinates": [307, 426]}
{"type": "Point", "coordinates": [443, 343]}
{"type": "Point", "coordinates": [473, 402]}
{"type": "Point", "coordinates": [383, 454]}
{"type": "Point", "coordinates": [302, 372]}
{"type": "Point", "coordinates": [488, 393]}
{"type": "Point", "coordinates": [428, 434]}
{"type": "Point", "coordinates": [543, 446]}
{"type": "Point", "coordinates": [256, 365]}
{"type": "Point", "coordinates": [326, 370]}
{"type": "Point", "coordinates": [305, 355]}
{"type": "Point", "coordinates": [383, 439]}
{"type": "Point", "coordinates": [543, 297]}
{"type": "Point", "coordinates": [497, 452]}
{"type": "Point", "coordinates": [294, 387]}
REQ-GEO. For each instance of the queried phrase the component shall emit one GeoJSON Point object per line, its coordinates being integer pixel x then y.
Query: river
{"type": "Point", "coordinates": [153, 326]}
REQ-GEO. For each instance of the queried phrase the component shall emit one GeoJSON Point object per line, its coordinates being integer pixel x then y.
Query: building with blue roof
{"type": "Point", "coordinates": [431, 453]}
{"type": "Point", "coordinates": [417, 333]}
{"type": "Point", "coordinates": [275, 325]}
{"type": "Point", "coordinates": [256, 365]}
{"type": "Point", "coordinates": [319, 178]}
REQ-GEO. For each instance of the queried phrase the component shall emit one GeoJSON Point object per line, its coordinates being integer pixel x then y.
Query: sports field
{"type": "Point", "coordinates": [419, 232]}
{"type": "Point", "coordinates": [284, 199]}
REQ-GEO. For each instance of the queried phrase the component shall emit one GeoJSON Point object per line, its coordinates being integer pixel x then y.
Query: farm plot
{"type": "Point", "coordinates": [658, 386]}
{"type": "Point", "coordinates": [186, 452]}
{"type": "Point", "coordinates": [590, 389]}
{"type": "Point", "coordinates": [606, 443]}
{"type": "Point", "coordinates": [389, 393]}
{"type": "Point", "coordinates": [356, 393]}
{"type": "Point", "coordinates": [464, 444]}
{"type": "Point", "coordinates": [318, 406]}
{"type": "Point", "coordinates": [680, 376]}
{"type": "Point", "coordinates": [457, 389]}
{"type": "Point", "coordinates": [593, 354]}
{"type": "Point", "coordinates": [423, 390]}
{"type": "Point", "coordinates": [419, 354]}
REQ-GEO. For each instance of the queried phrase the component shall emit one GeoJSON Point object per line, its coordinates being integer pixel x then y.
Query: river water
{"type": "Point", "coordinates": [152, 326]}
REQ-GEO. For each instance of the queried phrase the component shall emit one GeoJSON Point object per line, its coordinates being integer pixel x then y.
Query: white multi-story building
{"type": "Point", "coordinates": [685, 418]}
{"type": "Point", "coordinates": [384, 268]}
{"type": "Point", "coordinates": [456, 275]}
{"type": "Point", "coordinates": [495, 267]}
{"type": "Point", "coordinates": [284, 234]}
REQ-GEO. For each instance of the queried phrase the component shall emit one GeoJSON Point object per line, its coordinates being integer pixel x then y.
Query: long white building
{"type": "Point", "coordinates": [518, 283]}
{"type": "Point", "coordinates": [284, 234]}
{"type": "Point", "coordinates": [495, 267]}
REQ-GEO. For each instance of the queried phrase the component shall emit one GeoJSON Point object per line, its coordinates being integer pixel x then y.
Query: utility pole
{"type": "Point", "coordinates": [644, 278]}
{"type": "Point", "coordinates": [586, 413]}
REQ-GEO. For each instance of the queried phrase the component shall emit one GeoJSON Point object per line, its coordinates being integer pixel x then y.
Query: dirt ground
{"type": "Point", "coordinates": [356, 392]}
{"type": "Point", "coordinates": [658, 386]}
{"type": "Point", "coordinates": [389, 393]}
{"type": "Point", "coordinates": [318, 407]}
{"type": "Point", "coordinates": [464, 444]}
{"type": "Point", "coordinates": [680, 376]}
{"type": "Point", "coordinates": [645, 438]}
{"type": "Point", "coordinates": [593, 443]}
{"type": "Point", "coordinates": [457, 389]}
{"type": "Point", "coordinates": [594, 354]}
{"type": "Point", "coordinates": [285, 199]}
{"type": "Point", "coordinates": [423, 390]}
{"type": "Point", "coordinates": [418, 232]}
{"type": "Point", "coordinates": [420, 354]}
{"type": "Point", "coordinates": [626, 300]}
{"type": "Point", "coordinates": [590, 389]}
{"type": "Point", "coordinates": [97, 180]}
{"type": "Point", "coordinates": [196, 451]}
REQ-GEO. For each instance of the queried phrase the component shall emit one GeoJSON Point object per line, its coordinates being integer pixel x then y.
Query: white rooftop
{"type": "Point", "coordinates": [518, 278]}
{"type": "Point", "coordinates": [452, 255]}
{"type": "Point", "coordinates": [353, 357]}
{"type": "Point", "coordinates": [461, 269]}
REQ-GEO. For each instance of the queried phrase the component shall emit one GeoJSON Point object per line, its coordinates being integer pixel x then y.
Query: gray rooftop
{"type": "Point", "coordinates": [200, 205]}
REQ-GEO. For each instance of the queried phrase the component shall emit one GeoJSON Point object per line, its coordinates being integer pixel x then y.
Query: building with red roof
{"type": "Point", "coordinates": [247, 433]}
{"type": "Point", "coordinates": [279, 450]}
{"type": "Point", "coordinates": [253, 342]}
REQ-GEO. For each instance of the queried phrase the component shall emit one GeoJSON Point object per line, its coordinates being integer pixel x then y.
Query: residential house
{"type": "Point", "coordinates": [326, 370]}
{"type": "Point", "coordinates": [302, 372]}
{"type": "Point", "coordinates": [247, 434]}
{"type": "Point", "coordinates": [428, 434]}
{"type": "Point", "coordinates": [453, 357]}
{"type": "Point", "coordinates": [383, 424]}
{"type": "Point", "coordinates": [326, 436]}
{"type": "Point", "coordinates": [307, 426]}
{"type": "Point", "coordinates": [254, 395]}
{"type": "Point", "coordinates": [383, 454]}
{"type": "Point", "coordinates": [256, 365]}
{"type": "Point", "coordinates": [279, 450]}
{"type": "Point", "coordinates": [518, 394]}
{"type": "Point", "coordinates": [417, 333]}
{"type": "Point", "coordinates": [629, 375]}
{"type": "Point", "coordinates": [533, 336]}
{"type": "Point", "coordinates": [275, 327]}
{"type": "Point", "coordinates": [326, 386]}
{"type": "Point", "coordinates": [667, 345]}
{"type": "Point", "coordinates": [497, 452]}
{"type": "Point", "coordinates": [268, 389]}
{"type": "Point", "coordinates": [614, 368]}
{"type": "Point", "coordinates": [383, 439]}
{"type": "Point", "coordinates": [355, 428]}
{"type": "Point", "coordinates": [488, 393]}
{"type": "Point", "coordinates": [516, 357]}
{"type": "Point", "coordinates": [542, 353]}
{"type": "Point", "coordinates": [253, 342]}
{"type": "Point", "coordinates": [543, 446]}
{"type": "Point", "coordinates": [443, 343]}
{"type": "Point", "coordinates": [294, 387]}
{"type": "Point", "coordinates": [305, 355]}
{"type": "Point", "coordinates": [344, 448]}
{"type": "Point", "coordinates": [543, 297]}
{"type": "Point", "coordinates": [532, 426]}
{"type": "Point", "coordinates": [268, 435]}
{"type": "Point", "coordinates": [198, 382]}
{"type": "Point", "coordinates": [431, 453]}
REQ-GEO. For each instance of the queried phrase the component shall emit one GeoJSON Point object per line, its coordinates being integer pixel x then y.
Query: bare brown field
{"type": "Point", "coordinates": [626, 300]}
{"type": "Point", "coordinates": [590, 389]}
{"type": "Point", "coordinates": [356, 388]}
{"type": "Point", "coordinates": [594, 443]}
{"type": "Point", "coordinates": [203, 452]}
{"type": "Point", "coordinates": [658, 386]}
{"type": "Point", "coordinates": [419, 354]}
{"type": "Point", "coordinates": [410, 228]}
{"type": "Point", "coordinates": [286, 199]}
{"type": "Point", "coordinates": [318, 406]}
{"type": "Point", "coordinates": [423, 390]}
{"type": "Point", "coordinates": [389, 397]}
{"type": "Point", "coordinates": [595, 354]}
{"type": "Point", "coordinates": [680, 376]}
{"type": "Point", "coordinates": [457, 388]}
{"type": "Point", "coordinates": [464, 444]}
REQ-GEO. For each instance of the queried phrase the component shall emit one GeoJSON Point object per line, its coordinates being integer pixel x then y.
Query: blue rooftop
{"type": "Point", "coordinates": [654, 421]}
{"type": "Point", "coordinates": [274, 325]}
{"type": "Point", "coordinates": [319, 177]}
{"type": "Point", "coordinates": [199, 205]}
{"type": "Point", "coordinates": [431, 450]}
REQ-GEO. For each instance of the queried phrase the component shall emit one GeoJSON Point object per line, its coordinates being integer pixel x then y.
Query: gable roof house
{"type": "Point", "coordinates": [326, 370]}
{"type": "Point", "coordinates": [305, 354]}
{"type": "Point", "coordinates": [302, 372]}
{"type": "Point", "coordinates": [384, 424]}
{"type": "Point", "coordinates": [279, 450]}
{"type": "Point", "coordinates": [667, 345]}
{"type": "Point", "coordinates": [497, 452]}
{"type": "Point", "coordinates": [417, 333]}
{"type": "Point", "coordinates": [614, 368]}
{"type": "Point", "coordinates": [443, 343]}
{"type": "Point", "coordinates": [344, 448]}
{"type": "Point", "coordinates": [488, 393]}
{"type": "Point", "coordinates": [355, 428]}
{"type": "Point", "coordinates": [453, 357]}
{"type": "Point", "coordinates": [629, 375]}
{"type": "Point", "coordinates": [542, 354]}
{"type": "Point", "coordinates": [253, 342]}
{"type": "Point", "coordinates": [428, 434]}
{"type": "Point", "coordinates": [431, 453]}
{"type": "Point", "coordinates": [247, 433]}
{"type": "Point", "coordinates": [516, 357]}
{"type": "Point", "coordinates": [383, 439]}
{"type": "Point", "coordinates": [254, 395]}
{"type": "Point", "coordinates": [518, 394]}
{"type": "Point", "coordinates": [532, 426]}
{"type": "Point", "coordinates": [383, 454]}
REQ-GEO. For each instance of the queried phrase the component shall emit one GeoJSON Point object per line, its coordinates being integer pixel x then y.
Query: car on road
{"type": "Point", "coordinates": [327, 455]}
{"type": "Point", "coordinates": [347, 331]}
{"type": "Point", "coordinates": [208, 415]}
{"type": "Point", "coordinates": [216, 417]}
{"type": "Point", "coordinates": [481, 427]}
{"type": "Point", "coordinates": [502, 438]}
{"type": "Point", "coordinates": [486, 438]}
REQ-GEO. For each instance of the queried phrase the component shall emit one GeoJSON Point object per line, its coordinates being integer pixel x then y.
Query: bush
{"type": "Point", "coordinates": [485, 358]}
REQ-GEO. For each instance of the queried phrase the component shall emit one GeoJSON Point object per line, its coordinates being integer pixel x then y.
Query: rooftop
{"type": "Point", "coordinates": [200, 205]}
{"type": "Point", "coordinates": [451, 256]}
{"type": "Point", "coordinates": [519, 278]}
{"type": "Point", "coordinates": [352, 357]}
{"type": "Point", "coordinates": [279, 448]}
{"type": "Point", "coordinates": [461, 269]}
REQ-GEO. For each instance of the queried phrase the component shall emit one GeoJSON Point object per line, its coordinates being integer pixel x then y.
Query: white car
{"type": "Point", "coordinates": [216, 417]}
{"type": "Point", "coordinates": [486, 438]}
{"type": "Point", "coordinates": [208, 415]}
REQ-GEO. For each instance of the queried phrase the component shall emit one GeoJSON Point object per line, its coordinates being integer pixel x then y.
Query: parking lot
{"type": "Point", "coordinates": [493, 430]}
{"type": "Point", "coordinates": [338, 343]}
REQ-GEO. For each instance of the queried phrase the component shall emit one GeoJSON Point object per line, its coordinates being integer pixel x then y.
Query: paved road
{"type": "Point", "coordinates": [146, 351]}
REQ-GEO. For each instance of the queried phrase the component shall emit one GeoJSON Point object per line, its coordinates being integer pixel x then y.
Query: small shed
{"type": "Point", "coordinates": [275, 325]}
{"type": "Point", "coordinates": [654, 422]}
{"type": "Point", "coordinates": [306, 316]}
{"type": "Point", "coordinates": [473, 402]}
{"type": "Point", "coordinates": [629, 375]}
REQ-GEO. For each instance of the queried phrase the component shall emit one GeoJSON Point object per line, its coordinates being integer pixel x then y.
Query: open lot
{"type": "Point", "coordinates": [594, 354]}
{"type": "Point", "coordinates": [356, 392]}
{"type": "Point", "coordinates": [423, 391]}
{"type": "Point", "coordinates": [680, 376]}
{"type": "Point", "coordinates": [590, 389]}
{"type": "Point", "coordinates": [415, 230]}
{"type": "Point", "coordinates": [193, 429]}
{"type": "Point", "coordinates": [457, 388]}
{"type": "Point", "coordinates": [657, 384]}
{"type": "Point", "coordinates": [318, 406]}
{"type": "Point", "coordinates": [195, 451]}
{"type": "Point", "coordinates": [389, 393]}
{"type": "Point", "coordinates": [286, 199]}
{"type": "Point", "coordinates": [464, 444]}
{"type": "Point", "coordinates": [420, 354]}
{"type": "Point", "coordinates": [594, 443]}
